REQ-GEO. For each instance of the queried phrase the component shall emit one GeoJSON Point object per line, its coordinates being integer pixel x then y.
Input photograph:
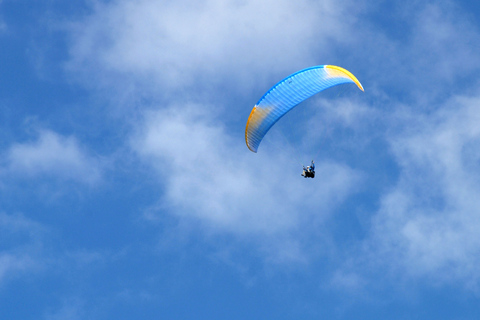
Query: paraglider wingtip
{"type": "Point", "coordinates": [250, 148]}
{"type": "Point", "coordinates": [348, 73]}
{"type": "Point", "coordinates": [359, 85]}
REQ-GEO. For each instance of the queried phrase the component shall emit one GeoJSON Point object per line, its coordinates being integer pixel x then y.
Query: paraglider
{"type": "Point", "coordinates": [288, 93]}
{"type": "Point", "coordinates": [309, 171]}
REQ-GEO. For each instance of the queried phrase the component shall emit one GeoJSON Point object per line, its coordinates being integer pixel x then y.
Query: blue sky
{"type": "Point", "coordinates": [127, 191]}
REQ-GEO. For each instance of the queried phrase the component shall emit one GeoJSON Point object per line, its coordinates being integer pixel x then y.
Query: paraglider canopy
{"type": "Point", "coordinates": [288, 93]}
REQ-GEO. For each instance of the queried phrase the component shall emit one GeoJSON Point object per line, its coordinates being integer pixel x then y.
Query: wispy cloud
{"type": "Point", "coordinates": [209, 178]}
{"type": "Point", "coordinates": [427, 224]}
{"type": "Point", "coordinates": [190, 44]}
{"type": "Point", "coordinates": [11, 264]}
{"type": "Point", "coordinates": [71, 309]}
{"type": "Point", "coordinates": [181, 51]}
{"type": "Point", "coordinates": [197, 49]}
{"type": "Point", "coordinates": [20, 240]}
{"type": "Point", "coordinates": [429, 52]}
{"type": "Point", "coordinates": [52, 155]}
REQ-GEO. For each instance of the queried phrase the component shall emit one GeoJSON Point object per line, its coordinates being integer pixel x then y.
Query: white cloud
{"type": "Point", "coordinates": [416, 51]}
{"type": "Point", "coordinates": [428, 224]}
{"type": "Point", "coordinates": [52, 155]}
{"type": "Point", "coordinates": [19, 237]}
{"type": "Point", "coordinates": [71, 309]}
{"type": "Point", "coordinates": [442, 45]}
{"type": "Point", "coordinates": [202, 51]}
{"type": "Point", "coordinates": [212, 178]}
{"type": "Point", "coordinates": [167, 47]}
{"type": "Point", "coordinates": [198, 43]}
{"type": "Point", "coordinates": [13, 263]}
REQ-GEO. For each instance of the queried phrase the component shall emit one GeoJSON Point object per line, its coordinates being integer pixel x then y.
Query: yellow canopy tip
{"type": "Point", "coordinates": [339, 71]}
